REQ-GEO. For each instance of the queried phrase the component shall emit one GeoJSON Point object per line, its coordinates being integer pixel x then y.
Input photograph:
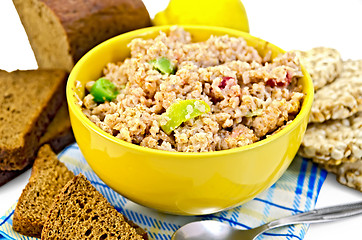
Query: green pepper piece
{"type": "Point", "coordinates": [254, 113]}
{"type": "Point", "coordinates": [163, 65]}
{"type": "Point", "coordinates": [180, 112]}
{"type": "Point", "coordinates": [103, 90]}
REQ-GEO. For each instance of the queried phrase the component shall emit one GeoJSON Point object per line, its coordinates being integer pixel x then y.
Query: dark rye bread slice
{"type": "Point", "coordinates": [48, 177]}
{"type": "Point", "coordinates": [81, 212]}
{"type": "Point", "coordinates": [58, 135]}
{"type": "Point", "coordinates": [28, 102]}
{"type": "Point", "coordinates": [6, 176]}
{"type": "Point", "coordinates": [61, 32]}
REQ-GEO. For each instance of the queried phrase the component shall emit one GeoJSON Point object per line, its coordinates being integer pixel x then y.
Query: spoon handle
{"type": "Point", "coordinates": [319, 215]}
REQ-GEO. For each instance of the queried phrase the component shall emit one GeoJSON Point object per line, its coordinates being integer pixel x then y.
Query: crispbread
{"type": "Point", "coordinates": [341, 98]}
{"type": "Point", "coordinates": [334, 135]}
{"type": "Point", "coordinates": [334, 142]}
{"type": "Point", "coordinates": [352, 68]}
{"type": "Point", "coordinates": [322, 63]}
{"type": "Point", "coordinates": [348, 173]}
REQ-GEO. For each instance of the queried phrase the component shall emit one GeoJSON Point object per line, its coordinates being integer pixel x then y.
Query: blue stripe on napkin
{"type": "Point", "coordinates": [295, 192]}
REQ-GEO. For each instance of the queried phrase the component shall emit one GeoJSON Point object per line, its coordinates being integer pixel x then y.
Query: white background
{"type": "Point", "coordinates": [289, 24]}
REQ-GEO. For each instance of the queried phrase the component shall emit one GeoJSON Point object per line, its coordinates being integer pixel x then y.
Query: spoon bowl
{"type": "Point", "coordinates": [214, 230]}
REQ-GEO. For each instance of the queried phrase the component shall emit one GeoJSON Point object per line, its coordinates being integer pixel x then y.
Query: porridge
{"type": "Point", "coordinates": [178, 95]}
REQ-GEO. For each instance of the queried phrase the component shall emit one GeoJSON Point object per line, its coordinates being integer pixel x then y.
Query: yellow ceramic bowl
{"type": "Point", "coordinates": [176, 182]}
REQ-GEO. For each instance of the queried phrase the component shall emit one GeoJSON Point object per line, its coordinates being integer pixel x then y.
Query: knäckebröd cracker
{"type": "Point", "coordinates": [323, 64]}
{"type": "Point", "coordinates": [348, 173]}
{"type": "Point", "coordinates": [341, 98]}
{"type": "Point", "coordinates": [334, 142]}
{"type": "Point", "coordinates": [352, 68]}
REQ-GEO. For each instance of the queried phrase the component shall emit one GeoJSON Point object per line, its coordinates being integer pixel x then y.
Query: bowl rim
{"type": "Point", "coordinates": [308, 90]}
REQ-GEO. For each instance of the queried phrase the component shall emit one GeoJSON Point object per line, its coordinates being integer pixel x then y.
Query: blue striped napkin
{"type": "Point", "coordinates": [296, 191]}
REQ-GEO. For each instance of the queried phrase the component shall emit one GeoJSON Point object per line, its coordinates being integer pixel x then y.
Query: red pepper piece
{"type": "Point", "coordinates": [223, 83]}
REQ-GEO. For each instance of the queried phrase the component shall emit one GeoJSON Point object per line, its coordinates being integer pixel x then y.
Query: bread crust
{"type": "Point", "coordinates": [68, 29]}
{"type": "Point", "coordinates": [6, 176]}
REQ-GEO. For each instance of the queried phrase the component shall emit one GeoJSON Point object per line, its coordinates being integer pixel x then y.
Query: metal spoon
{"type": "Point", "coordinates": [214, 230]}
